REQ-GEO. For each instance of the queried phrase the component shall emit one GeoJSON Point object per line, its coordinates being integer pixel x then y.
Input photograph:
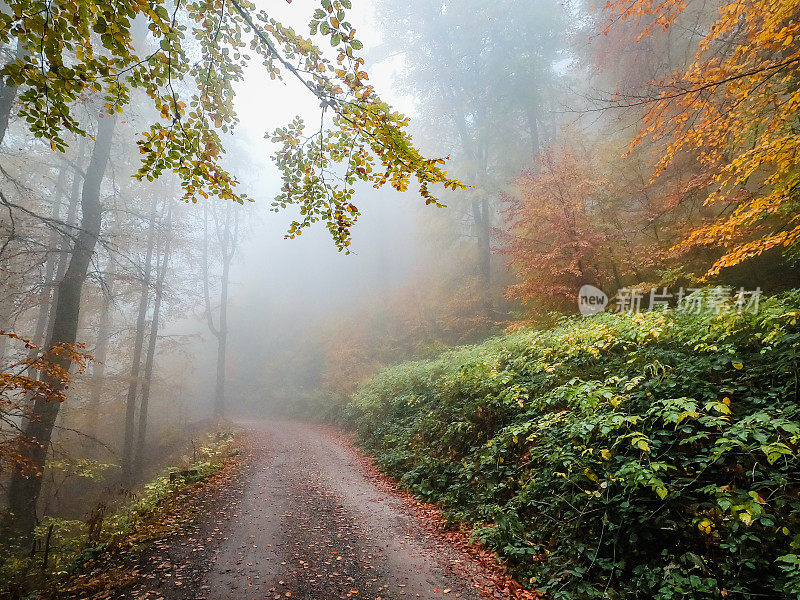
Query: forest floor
{"type": "Point", "coordinates": [306, 516]}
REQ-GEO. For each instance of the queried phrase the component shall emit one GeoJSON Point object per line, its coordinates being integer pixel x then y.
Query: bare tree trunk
{"type": "Point", "coordinates": [151, 345]}
{"type": "Point", "coordinates": [4, 326]}
{"type": "Point", "coordinates": [64, 251]}
{"type": "Point", "coordinates": [136, 365]}
{"type": "Point", "coordinates": [26, 484]}
{"type": "Point", "coordinates": [229, 240]}
{"type": "Point", "coordinates": [8, 94]}
{"type": "Point", "coordinates": [101, 348]}
{"type": "Point", "coordinates": [42, 316]}
{"type": "Point", "coordinates": [480, 214]}
{"type": "Point", "coordinates": [533, 126]}
{"type": "Point", "coordinates": [222, 343]}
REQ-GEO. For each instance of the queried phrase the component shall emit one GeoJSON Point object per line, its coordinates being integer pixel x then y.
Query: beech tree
{"type": "Point", "coordinates": [227, 234]}
{"type": "Point", "coordinates": [485, 82]}
{"type": "Point", "coordinates": [186, 58]}
{"type": "Point", "coordinates": [735, 105]}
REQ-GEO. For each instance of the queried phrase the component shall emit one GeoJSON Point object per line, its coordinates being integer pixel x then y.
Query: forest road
{"type": "Point", "coordinates": [305, 520]}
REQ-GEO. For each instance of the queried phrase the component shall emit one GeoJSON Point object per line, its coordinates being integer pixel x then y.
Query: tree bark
{"type": "Point", "coordinates": [8, 94]}
{"type": "Point", "coordinates": [136, 365]}
{"type": "Point", "coordinates": [64, 251]}
{"type": "Point", "coordinates": [101, 347]}
{"type": "Point", "coordinates": [480, 214]}
{"type": "Point", "coordinates": [26, 483]}
{"type": "Point", "coordinates": [228, 249]}
{"type": "Point", "coordinates": [151, 345]}
{"type": "Point", "coordinates": [222, 344]}
{"type": "Point", "coordinates": [46, 293]}
{"type": "Point", "coordinates": [228, 241]}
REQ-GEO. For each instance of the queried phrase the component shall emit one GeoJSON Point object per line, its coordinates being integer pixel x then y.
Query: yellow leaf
{"type": "Point", "coordinates": [705, 526]}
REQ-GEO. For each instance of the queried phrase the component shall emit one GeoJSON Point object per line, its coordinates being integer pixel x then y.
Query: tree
{"type": "Point", "coordinates": [556, 242]}
{"type": "Point", "coordinates": [227, 234]}
{"type": "Point", "coordinates": [25, 485]}
{"type": "Point", "coordinates": [72, 48]}
{"type": "Point", "coordinates": [136, 360]}
{"type": "Point", "coordinates": [17, 386]}
{"type": "Point", "coordinates": [68, 51]}
{"type": "Point", "coordinates": [483, 81]}
{"type": "Point", "coordinates": [735, 106]}
{"type": "Point", "coordinates": [166, 241]}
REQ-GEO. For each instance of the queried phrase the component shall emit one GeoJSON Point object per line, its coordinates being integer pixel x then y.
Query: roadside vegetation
{"type": "Point", "coordinates": [63, 547]}
{"type": "Point", "coordinates": [647, 455]}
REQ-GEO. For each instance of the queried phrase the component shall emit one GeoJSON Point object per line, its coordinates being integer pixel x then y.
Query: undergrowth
{"type": "Point", "coordinates": [618, 456]}
{"type": "Point", "coordinates": [63, 546]}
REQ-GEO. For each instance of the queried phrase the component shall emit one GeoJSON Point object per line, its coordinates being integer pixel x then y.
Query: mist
{"type": "Point", "coordinates": [387, 237]}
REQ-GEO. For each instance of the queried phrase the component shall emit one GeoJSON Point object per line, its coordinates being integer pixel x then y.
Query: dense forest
{"type": "Point", "coordinates": [531, 266]}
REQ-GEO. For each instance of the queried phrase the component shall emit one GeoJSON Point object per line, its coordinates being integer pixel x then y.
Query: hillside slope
{"type": "Point", "coordinates": [651, 455]}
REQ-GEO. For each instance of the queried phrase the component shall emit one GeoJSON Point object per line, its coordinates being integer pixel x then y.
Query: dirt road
{"type": "Point", "coordinates": [304, 520]}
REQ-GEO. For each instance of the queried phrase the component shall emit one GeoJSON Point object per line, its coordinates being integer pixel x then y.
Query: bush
{"type": "Point", "coordinates": [617, 456]}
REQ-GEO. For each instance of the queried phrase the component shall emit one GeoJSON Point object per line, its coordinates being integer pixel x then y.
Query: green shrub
{"type": "Point", "coordinates": [618, 456]}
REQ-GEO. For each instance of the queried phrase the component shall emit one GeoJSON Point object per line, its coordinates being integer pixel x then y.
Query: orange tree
{"type": "Point", "coordinates": [736, 106]}
{"type": "Point", "coordinates": [553, 243]}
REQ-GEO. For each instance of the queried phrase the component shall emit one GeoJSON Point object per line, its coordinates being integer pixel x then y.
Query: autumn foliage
{"type": "Point", "coordinates": [38, 374]}
{"type": "Point", "coordinates": [736, 107]}
{"type": "Point", "coordinates": [555, 246]}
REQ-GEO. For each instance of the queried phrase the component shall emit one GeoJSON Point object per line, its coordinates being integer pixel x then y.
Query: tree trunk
{"type": "Point", "coordinates": [64, 251]}
{"type": "Point", "coordinates": [136, 365]}
{"type": "Point", "coordinates": [533, 126]}
{"type": "Point", "coordinates": [4, 326]}
{"type": "Point", "coordinates": [222, 344]}
{"type": "Point", "coordinates": [7, 95]}
{"type": "Point", "coordinates": [228, 240]}
{"type": "Point", "coordinates": [228, 244]}
{"type": "Point", "coordinates": [151, 346]}
{"type": "Point", "coordinates": [480, 213]}
{"type": "Point", "coordinates": [46, 293]}
{"type": "Point", "coordinates": [26, 483]}
{"type": "Point", "coordinates": [101, 347]}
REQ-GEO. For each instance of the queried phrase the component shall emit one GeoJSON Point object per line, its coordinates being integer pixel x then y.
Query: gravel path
{"type": "Point", "coordinates": [304, 520]}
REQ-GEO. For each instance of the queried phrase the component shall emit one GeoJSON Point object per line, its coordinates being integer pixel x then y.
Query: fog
{"type": "Point", "coordinates": [179, 255]}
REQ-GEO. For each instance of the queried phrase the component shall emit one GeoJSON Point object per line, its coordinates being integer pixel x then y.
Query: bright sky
{"type": "Point", "coordinates": [264, 105]}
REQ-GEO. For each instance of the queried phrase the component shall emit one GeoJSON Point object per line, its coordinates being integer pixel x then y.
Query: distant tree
{"type": "Point", "coordinates": [138, 345]}
{"type": "Point", "coordinates": [228, 237]}
{"type": "Point", "coordinates": [587, 215]}
{"type": "Point", "coordinates": [162, 266]}
{"type": "Point", "coordinates": [556, 242]}
{"type": "Point", "coordinates": [484, 75]}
